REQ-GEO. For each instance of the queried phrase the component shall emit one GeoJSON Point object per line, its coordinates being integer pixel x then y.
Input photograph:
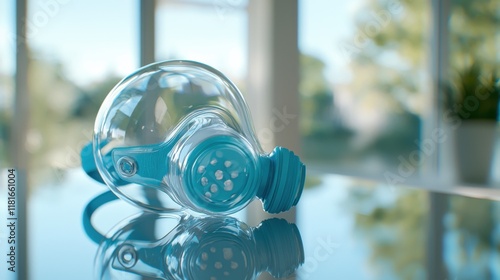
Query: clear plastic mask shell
{"type": "Point", "coordinates": [180, 131]}
{"type": "Point", "coordinates": [154, 105]}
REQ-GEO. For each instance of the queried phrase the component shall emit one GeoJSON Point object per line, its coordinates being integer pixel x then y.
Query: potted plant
{"type": "Point", "coordinates": [475, 100]}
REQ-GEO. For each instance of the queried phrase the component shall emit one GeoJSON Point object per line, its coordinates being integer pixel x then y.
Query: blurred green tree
{"type": "Point", "coordinates": [61, 117]}
{"type": "Point", "coordinates": [6, 88]}
{"type": "Point", "coordinates": [317, 118]}
{"type": "Point", "coordinates": [391, 63]}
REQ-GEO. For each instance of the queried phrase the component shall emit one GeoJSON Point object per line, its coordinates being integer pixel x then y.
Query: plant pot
{"type": "Point", "coordinates": [474, 147]}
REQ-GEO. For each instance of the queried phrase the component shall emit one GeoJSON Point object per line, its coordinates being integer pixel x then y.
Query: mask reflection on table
{"type": "Point", "coordinates": [180, 246]}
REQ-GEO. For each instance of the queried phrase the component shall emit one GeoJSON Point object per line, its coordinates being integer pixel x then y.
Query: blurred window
{"type": "Point", "coordinates": [365, 82]}
{"type": "Point", "coordinates": [365, 73]}
{"type": "Point", "coordinates": [211, 32]}
{"type": "Point", "coordinates": [7, 70]}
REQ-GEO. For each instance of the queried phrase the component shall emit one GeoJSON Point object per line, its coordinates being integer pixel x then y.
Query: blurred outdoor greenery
{"type": "Point", "coordinates": [61, 118]}
{"type": "Point", "coordinates": [390, 76]}
{"type": "Point", "coordinates": [389, 72]}
{"type": "Point", "coordinates": [397, 232]}
{"type": "Point", "coordinates": [391, 80]}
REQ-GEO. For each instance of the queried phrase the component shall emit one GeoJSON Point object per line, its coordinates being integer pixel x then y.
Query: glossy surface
{"type": "Point", "coordinates": [350, 229]}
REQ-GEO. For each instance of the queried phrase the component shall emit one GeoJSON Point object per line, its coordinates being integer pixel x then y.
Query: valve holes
{"type": "Point", "coordinates": [208, 195]}
{"type": "Point", "coordinates": [201, 169]}
{"type": "Point", "coordinates": [214, 188]}
{"type": "Point", "coordinates": [204, 181]}
{"type": "Point", "coordinates": [228, 185]}
{"type": "Point", "coordinates": [219, 175]}
{"type": "Point", "coordinates": [234, 174]}
{"type": "Point", "coordinates": [127, 166]}
{"type": "Point", "coordinates": [227, 164]}
{"type": "Point", "coordinates": [213, 161]}
{"type": "Point", "coordinates": [228, 253]}
{"type": "Point", "coordinates": [219, 154]}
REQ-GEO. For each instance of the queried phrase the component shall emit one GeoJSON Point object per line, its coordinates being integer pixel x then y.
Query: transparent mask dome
{"type": "Point", "coordinates": [179, 131]}
{"type": "Point", "coordinates": [156, 105]}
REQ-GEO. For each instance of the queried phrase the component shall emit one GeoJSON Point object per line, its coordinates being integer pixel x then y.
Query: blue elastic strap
{"type": "Point", "coordinates": [91, 207]}
{"type": "Point", "coordinates": [88, 163]}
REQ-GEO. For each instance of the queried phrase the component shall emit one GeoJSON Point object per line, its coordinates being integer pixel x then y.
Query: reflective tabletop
{"type": "Point", "coordinates": [342, 228]}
